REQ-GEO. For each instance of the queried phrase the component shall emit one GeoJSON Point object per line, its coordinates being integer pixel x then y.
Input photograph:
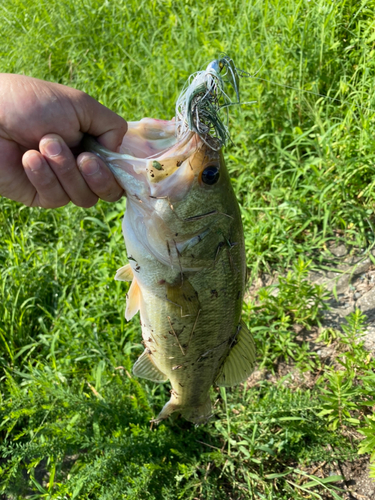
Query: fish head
{"type": "Point", "coordinates": [153, 162]}
{"type": "Point", "coordinates": [178, 189]}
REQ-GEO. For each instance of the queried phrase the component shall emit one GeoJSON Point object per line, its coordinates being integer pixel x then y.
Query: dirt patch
{"type": "Point", "coordinates": [353, 286]}
{"type": "Point", "coordinates": [356, 484]}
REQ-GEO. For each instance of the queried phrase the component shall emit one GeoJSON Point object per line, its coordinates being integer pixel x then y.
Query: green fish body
{"type": "Point", "coordinates": [185, 245]}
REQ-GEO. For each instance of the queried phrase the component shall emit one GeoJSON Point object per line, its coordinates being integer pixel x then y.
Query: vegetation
{"type": "Point", "coordinates": [74, 422]}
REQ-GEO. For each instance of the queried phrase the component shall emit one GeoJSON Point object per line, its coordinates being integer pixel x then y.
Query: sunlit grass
{"type": "Point", "coordinates": [75, 423]}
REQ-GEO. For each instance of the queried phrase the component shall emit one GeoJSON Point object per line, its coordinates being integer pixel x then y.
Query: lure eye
{"type": "Point", "coordinates": [210, 175]}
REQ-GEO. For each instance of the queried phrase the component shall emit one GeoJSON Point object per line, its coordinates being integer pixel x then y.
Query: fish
{"type": "Point", "coordinates": [186, 251]}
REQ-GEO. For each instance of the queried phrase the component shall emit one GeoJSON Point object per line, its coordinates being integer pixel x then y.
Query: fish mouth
{"type": "Point", "coordinates": [148, 137]}
{"type": "Point", "coordinates": [163, 152]}
{"type": "Point", "coordinates": [152, 160]}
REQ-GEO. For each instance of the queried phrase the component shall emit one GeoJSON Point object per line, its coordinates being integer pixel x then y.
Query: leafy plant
{"type": "Point", "coordinates": [295, 299]}
{"type": "Point", "coordinates": [293, 302]}
{"type": "Point", "coordinates": [348, 391]}
{"type": "Point", "coordinates": [354, 358]}
{"type": "Point", "coordinates": [368, 444]}
{"type": "Point", "coordinates": [339, 399]}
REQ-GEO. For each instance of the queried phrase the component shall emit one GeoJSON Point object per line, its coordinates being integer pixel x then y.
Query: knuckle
{"type": "Point", "coordinates": [46, 183]}
{"type": "Point", "coordinates": [65, 168]}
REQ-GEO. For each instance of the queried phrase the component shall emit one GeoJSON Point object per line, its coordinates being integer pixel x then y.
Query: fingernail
{"type": "Point", "coordinates": [89, 167]}
{"type": "Point", "coordinates": [34, 162]}
{"type": "Point", "coordinates": [51, 147]}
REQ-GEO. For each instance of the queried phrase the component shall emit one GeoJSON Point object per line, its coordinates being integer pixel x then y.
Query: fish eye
{"type": "Point", "coordinates": [210, 175]}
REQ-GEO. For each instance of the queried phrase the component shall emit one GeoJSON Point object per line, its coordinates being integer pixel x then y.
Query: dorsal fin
{"type": "Point", "coordinates": [133, 300]}
{"type": "Point", "coordinates": [240, 361]}
{"type": "Point", "coordinates": [125, 273]}
{"type": "Point", "coordinates": [145, 368]}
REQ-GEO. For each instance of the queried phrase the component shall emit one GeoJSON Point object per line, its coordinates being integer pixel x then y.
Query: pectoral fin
{"type": "Point", "coordinates": [240, 362]}
{"type": "Point", "coordinates": [133, 300]}
{"type": "Point", "coordinates": [125, 273]}
{"type": "Point", "coordinates": [185, 297]}
{"type": "Point", "coordinates": [145, 368]}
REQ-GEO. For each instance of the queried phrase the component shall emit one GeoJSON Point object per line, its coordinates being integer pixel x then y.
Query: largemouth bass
{"type": "Point", "coordinates": [185, 245]}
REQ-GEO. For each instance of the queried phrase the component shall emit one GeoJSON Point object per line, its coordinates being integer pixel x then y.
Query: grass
{"type": "Point", "coordinates": [74, 423]}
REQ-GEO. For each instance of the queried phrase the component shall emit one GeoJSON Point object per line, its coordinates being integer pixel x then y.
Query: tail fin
{"type": "Point", "coordinates": [196, 414]}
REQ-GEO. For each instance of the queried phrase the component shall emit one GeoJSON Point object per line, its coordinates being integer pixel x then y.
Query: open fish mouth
{"type": "Point", "coordinates": [162, 150]}
{"type": "Point", "coordinates": [152, 161]}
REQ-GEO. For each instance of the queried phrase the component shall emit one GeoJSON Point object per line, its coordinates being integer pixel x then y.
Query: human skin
{"type": "Point", "coordinates": [39, 124]}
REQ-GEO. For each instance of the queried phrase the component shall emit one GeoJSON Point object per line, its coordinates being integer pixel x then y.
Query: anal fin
{"type": "Point", "coordinates": [125, 273]}
{"type": "Point", "coordinates": [145, 368]}
{"type": "Point", "coordinates": [240, 361]}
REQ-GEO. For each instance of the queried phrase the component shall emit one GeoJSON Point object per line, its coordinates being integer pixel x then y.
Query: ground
{"type": "Point", "coordinates": [352, 286]}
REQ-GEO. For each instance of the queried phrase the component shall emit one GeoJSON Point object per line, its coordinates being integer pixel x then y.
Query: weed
{"type": "Point", "coordinates": [368, 444]}
{"type": "Point", "coordinates": [348, 392]}
{"type": "Point", "coordinates": [294, 301]}
{"type": "Point", "coordinates": [74, 422]}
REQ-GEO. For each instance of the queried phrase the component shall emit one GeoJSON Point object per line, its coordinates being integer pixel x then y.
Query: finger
{"type": "Point", "coordinates": [14, 183]}
{"type": "Point", "coordinates": [64, 166]}
{"type": "Point", "coordinates": [99, 178]}
{"type": "Point", "coordinates": [49, 192]}
{"type": "Point", "coordinates": [99, 121]}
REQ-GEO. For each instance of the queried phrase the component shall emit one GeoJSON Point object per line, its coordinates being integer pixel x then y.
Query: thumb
{"type": "Point", "coordinates": [99, 121]}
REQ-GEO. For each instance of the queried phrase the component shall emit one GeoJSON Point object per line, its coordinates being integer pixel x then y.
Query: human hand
{"type": "Point", "coordinates": [39, 123]}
